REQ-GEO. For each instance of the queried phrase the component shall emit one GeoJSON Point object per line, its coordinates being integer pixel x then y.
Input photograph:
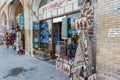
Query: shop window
{"type": "Point", "coordinates": [45, 40]}
{"type": "Point", "coordinates": [72, 34]}
{"type": "Point", "coordinates": [45, 31]}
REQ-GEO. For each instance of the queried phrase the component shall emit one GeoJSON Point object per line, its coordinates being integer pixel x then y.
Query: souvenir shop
{"type": "Point", "coordinates": [56, 37]}
{"type": "Point", "coordinates": [67, 38]}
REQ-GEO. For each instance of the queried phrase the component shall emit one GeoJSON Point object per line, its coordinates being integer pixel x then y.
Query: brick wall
{"type": "Point", "coordinates": [108, 39]}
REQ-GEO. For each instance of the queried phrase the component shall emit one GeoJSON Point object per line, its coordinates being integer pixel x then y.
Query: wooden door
{"type": "Point", "coordinates": [56, 30]}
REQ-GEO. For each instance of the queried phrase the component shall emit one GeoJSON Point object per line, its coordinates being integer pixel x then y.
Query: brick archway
{"type": "Point", "coordinates": [16, 8]}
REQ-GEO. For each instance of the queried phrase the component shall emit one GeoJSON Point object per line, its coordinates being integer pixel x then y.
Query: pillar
{"type": "Point", "coordinates": [28, 28]}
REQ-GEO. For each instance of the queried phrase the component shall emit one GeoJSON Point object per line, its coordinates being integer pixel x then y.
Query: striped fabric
{"type": "Point", "coordinates": [82, 23]}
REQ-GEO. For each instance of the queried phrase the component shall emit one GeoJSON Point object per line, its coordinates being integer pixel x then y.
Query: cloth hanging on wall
{"type": "Point", "coordinates": [83, 52]}
{"type": "Point", "coordinates": [64, 28]}
{"type": "Point", "coordinates": [79, 56]}
{"type": "Point", "coordinates": [82, 23]}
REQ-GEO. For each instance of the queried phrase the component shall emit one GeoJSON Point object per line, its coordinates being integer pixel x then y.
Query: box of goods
{"type": "Point", "coordinates": [66, 68]}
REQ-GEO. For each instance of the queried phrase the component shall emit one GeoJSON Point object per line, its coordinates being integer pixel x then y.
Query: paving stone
{"type": "Point", "coordinates": [21, 67]}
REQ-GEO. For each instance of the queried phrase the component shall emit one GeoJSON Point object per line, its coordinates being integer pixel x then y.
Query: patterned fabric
{"type": "Point", "coordinates": [83, 53]}
{"type": "Point", "coordinates": [85, 22]}
{"type": "Point", "coordinates": [10, 38]}
{"type": "Point", "coordinates": [82, 23]}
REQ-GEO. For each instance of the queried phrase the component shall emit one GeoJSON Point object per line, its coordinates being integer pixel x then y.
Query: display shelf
{"type": "Point", "coordinates": [42, 55]}
{"type": "Point", "coordinates": [45, 38]}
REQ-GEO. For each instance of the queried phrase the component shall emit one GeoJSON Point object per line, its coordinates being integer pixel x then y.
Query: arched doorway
{"type": "Point", "coordinates": [17, 8]}
{"type": "Point", "coordinates": [15, 11]}
{"type": "Point", "coordinates": [3, 22]}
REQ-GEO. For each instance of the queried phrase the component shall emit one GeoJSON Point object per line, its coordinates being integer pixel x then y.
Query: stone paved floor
{"type": "Point", "coordinates": [20, 67]}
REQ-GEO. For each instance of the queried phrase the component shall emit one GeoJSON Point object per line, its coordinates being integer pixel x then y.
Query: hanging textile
{"type": "Point", "coordinates": [79, 57]}
{"type": "Point", "coordinates": [83, 63]}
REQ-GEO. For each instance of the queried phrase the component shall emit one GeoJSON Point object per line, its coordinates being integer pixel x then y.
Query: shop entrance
{"type": "Point", "coordinates": [59, 45]}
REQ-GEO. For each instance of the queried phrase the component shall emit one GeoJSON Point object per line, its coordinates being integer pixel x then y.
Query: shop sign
{"type": "Point", "coordinates": [59, 19]}
{"type": "Point", "coordinates": [55, 5]}
{"type": "Point", "coordinates": [20, 19]}
{"type": "Point", "coordinates": [64, 28]}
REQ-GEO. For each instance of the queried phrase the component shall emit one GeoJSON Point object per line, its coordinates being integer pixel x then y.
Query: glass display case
{"type": "Point", "coordinates": [36, 35]}
{"type": "Point", "coordinates": [45, 40]}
